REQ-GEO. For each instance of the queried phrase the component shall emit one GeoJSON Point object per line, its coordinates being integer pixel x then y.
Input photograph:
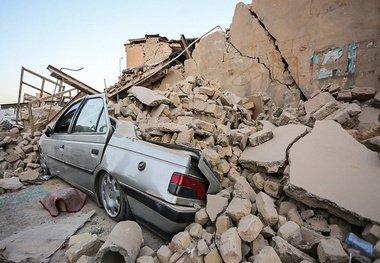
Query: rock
{"type": "Point", "coordinates": [14, 130]}
{"type": "Point", "coordinates": [290, 232]}
{"type": "Point", "coordinates": [230, 246]}
{"type": "Point", "coordinates": [306, 214]}
{"type": "Point", "coordinates": [285, 206]}
{"type": "Point", "coordinates": [7, 139]}
{"type": "Point", "coordinates": [180, 242]}
{"type": "Point", "coordinates": [372, 143]}
{"type": "Point", "coordinates": [295, 216]}
{"type": "Point", "coordinates": [88, 247]}
{"type": "Point", "coordinates": [334, 152]}
{"type": "Point", "coordinates": [363, 93]}
{"type": "Point", "coordinates": [330, 250]}
{"type": "Point", "coordinates": [376, 251]}
{"type": "Point", "coordinates": [243, 189]}
{"type": "Point", "coordinates": [238, 208]}
{"type": "Point", "coordinates": [259, 180]}
{"type": "Point", "coordinates": [164, 253]}
{"type": "Point", "coordinates": [270, 157]}
{"type": "Point", "coordinates": [267, 255]}
{"type": "Point", "coordinates": [148, 97]}
{"type": "Point", "coordinates": [202, 247]}
{"type": "Point", "coordinates": [215, 205]}
{"type": "Point", "coordinates": [145, 259]}
{"type": "Point", "coordinates": [249, 227]}
{"type": "Point", "coordinates": [196, 230]}
{"type": "Point", "coordinates": [266, 208]}
{"type": "Point", "coordinates": [85, 259]}
{"type": "Point", "coordinates": [12, 157]}
{"type": "Point", "coordinates": [260, 137]}
{"type": "Point", "coordinates": [258, 244]}
{"type": "Point", "coordinates": [371, 232]}
{"type": "Point", "coordinates": [273, 188]}
{"type": "Point", "coordinates": [344, 95]}
{"type": "Point", "coordinates": [212, 156]}
{"type": "Point", "coordinates": [288, 253]}
{"type": "Point", "coordinates": [28, 176]}
{"type": "Point", "coordinates": [201, 217]}
{"type": "Point", "coordinates": [223, 166]}
{"type": "Point", "coordinates": [223, 223]}
{"type": "Point", "coordinates": [310, 236]}
{"type": "Point", "coordinates": [185, 138]}
{"type": "Point", "coordinates": [213, 257]}
{"type": "Point", "coordinates": [12, 183]}
{"type": "Point", "coordinates": [146, 251]}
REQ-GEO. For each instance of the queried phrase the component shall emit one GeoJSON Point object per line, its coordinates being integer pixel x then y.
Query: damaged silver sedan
{"type": "Point", "coordinates": [157, 184]}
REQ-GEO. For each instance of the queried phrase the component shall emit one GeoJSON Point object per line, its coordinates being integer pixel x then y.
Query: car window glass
{"type": "Point", "coordinates": [102, 125]}
{"type": "Point", "coordinates": [88, 118]}
{"type": "Point", "coordinates": [64, 122]}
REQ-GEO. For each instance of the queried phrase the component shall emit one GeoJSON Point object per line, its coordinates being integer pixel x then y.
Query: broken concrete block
{"type": "Point", "coordinates": [285, 206]}
{"type": "Point", "coordinates": [213, 257]}
{"type": "Point", "coordinates": [363, 93]}
{"type": "Point", "coordinates": [268, 232]}
{"type": "Point", "coordinates": [201, 217]}
{"type": "Point", "coordinates": [249, 227]}
{"type": "Point", "coordinates": [117, 246]}
{"type": "Point", "coordinates": [258, 244]}
{"type": "Point", "coordinates": [273, 188]}
{"type": "Point", "coordinates": [212, 156]}
{"type": "Point", "coordinates": [230, 246]}
{"type": "Point", "coordinates": [215, 205]}
{"type": "Point", "coordinates": [88, 247]}
{"type": "Point", "coordinates": [317, 102]}
{"type": "Point", "coordinates": [28, 176]}
{"type": "Point", "coordinates": [267, 255]}
{"type": "Point", "coordinates": [243, 189]}
{"type": "Point", "coordinates": [223, 223]}
{"type": "Point", "coordinates": [371, 233]}
{"type": "Point", "coordinates": [238, 208]}
{"type": "Point", "coordinates": [7, 139]}
{"type": "Point", "coordinates": [161, 109]}
{"type": "Point", "coordinates": [295, 216]}
{"type": "Point", "coordinates": [372, 143]}
{"type": "Point", "coordinates": [223, 166]}
{"type": "Point", "coordinates": [180, 242]}
{"type": "Point", "coordinates": [344, 95]}
{"type": "Point", "coordinates": [86, 259]}
{"type": "Point", "coordinates": [330, 250]}
{"type": "Point", "coordinates": [185, 138]}
{"type": "Point", "coordinates": [289, 253]}
{"type": "Point", "coordinates": [265, 206]}
{"type": "Point", "coordinates": [310, 236]}
{"type": "Point", "coordinates": [271, 156]}
{"type": "Point", "coordinates": [146, 251]}
{"type": "Point", "coordinates": [290, 232]}
{"type": "Point", "coordinates": [145, 259]}
{"type": "Point", "coordinates": [148, 97]}
{"type": "Point", "coordinates": [164, 253]}
{"type": "Point", "coordinates": [376, 251]}
{"type": "Point", "coordinates": [76, 238]}
{"type": "Point", "coordinates": [12, 183]}
{"type": "Point", "coordinates": [335, 152]}
{"type": "Point", "coordinates": [260, 137]}
{"type": "Point", "coordinates": [353, 109]}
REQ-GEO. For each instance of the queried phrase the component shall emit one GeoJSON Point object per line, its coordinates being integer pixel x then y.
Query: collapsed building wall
{"type": "Point", "coordinates": [276, 46]}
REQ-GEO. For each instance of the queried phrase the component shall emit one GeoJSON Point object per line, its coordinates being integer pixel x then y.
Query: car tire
{"type": "Point", "coordinates": [42, 157]}
{"type": "Point", "coordinates": [113, 199]}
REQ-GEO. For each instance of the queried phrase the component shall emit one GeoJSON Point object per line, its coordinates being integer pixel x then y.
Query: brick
{"type": "Point", "coordinates": [238, 208]}
{"type": "Point", "coordinates": [331, 250]}
{"type": "Point", "coordinates": [266, 208]}
{"type": "Point", "coordinates": [249, 227]}
{"type": "Point", "coordinates": [363, 93]}
{"type": "Point", "coordinates": [230, 246]}
{"type": "Point", "coordinates": [223, 223]}
{"type": "Point", "coordinates": [215, 205]}
{"type": "Point", "coordinates": [371, 233]}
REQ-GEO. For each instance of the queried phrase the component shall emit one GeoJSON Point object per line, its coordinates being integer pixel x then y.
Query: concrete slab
{"type": "Point", "coordinates": [270, 156]}
{"type": "Point", "coordinates": [318, 101]}
{"type": "Point", "coordinates": [331, 170]}
{"type": "Point", "coordinates": [40, 242]}
{"type": "Point", "coordinates": [148, 97]}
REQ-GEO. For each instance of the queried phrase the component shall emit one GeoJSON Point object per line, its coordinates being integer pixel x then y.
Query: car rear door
{"type": "Point", "coordinates": [86, 141]}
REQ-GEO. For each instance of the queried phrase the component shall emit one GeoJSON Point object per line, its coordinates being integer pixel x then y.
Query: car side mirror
{"type": "Point", "coordinates": [48, 131]}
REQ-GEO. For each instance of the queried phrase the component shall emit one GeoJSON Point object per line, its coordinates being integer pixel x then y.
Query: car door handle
{"type": "Point", "coordinates": [95, 151]}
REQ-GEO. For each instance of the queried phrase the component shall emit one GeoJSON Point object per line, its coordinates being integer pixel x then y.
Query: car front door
{"type": "Point", "coordinates": [86, 141]}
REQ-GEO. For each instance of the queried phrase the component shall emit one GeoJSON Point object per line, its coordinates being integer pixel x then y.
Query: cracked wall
{"type": "Point", "coordinates": [274, 46]}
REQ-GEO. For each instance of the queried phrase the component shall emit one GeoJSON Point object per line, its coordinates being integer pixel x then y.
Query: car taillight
{"type": "Point", "coordinates": [188, 187]}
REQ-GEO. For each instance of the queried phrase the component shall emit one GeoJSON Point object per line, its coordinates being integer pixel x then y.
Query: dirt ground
{"type": "Point", "coordinates": [20, 210]}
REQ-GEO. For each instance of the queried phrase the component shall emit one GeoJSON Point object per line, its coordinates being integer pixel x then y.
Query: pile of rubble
{"type": "Point", "coordinates": [254, 218]}
{"type": "Point", "coordinates": [19, 163]}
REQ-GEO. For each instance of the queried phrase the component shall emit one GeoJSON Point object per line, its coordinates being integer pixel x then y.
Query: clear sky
{"type": "Point", "coordinates": [91, 34]}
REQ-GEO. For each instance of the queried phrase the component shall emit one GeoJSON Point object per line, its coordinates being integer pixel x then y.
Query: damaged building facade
{"type": "Point", "coordinates": [285, 106]}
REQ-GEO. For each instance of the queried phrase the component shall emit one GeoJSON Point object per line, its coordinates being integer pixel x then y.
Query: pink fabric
{"type": "Point", "coordinates": [72, 198]}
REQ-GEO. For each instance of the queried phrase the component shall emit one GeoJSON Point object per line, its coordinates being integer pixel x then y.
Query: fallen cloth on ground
{"type": "Point", "coordinates": [72, 198]}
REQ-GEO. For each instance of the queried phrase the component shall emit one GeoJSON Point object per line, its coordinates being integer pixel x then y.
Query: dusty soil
{"type": "Point", "coordinates": [21, 210]}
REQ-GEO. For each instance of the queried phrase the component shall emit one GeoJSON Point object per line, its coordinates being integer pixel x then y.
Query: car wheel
{"type": "Point", "coordinates": [113, 199]}
{"type": "Point", "coordinates": [42, 157]}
